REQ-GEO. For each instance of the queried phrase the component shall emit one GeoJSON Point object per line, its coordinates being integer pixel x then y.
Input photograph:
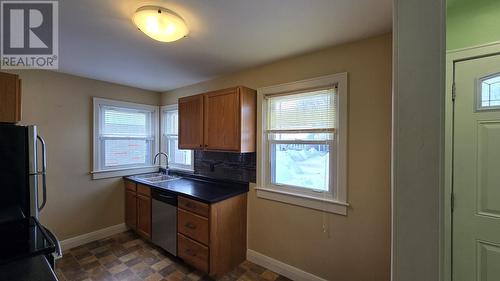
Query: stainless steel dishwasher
{"type": "Point", "coordinates": [164, 217]}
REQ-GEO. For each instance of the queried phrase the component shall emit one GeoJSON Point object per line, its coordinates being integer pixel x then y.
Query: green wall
{"type": "Point", "coordinates": [472, 22]}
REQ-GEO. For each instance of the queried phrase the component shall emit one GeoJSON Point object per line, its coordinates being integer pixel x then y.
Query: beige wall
{"type": "Point", "coordinates": [356, 247]}
{"type": "Point", "coordinates": [61, 106]}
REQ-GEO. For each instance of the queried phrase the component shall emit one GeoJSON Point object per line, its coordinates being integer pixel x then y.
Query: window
{"type": "Point", "coordinates": [304, 143]}
{"type": "Point", "coordinates": [489, 97]}
{"type": "Point", "coordinates": [125, 137]}
{"type": "Point", "coordinates": [177, 159]}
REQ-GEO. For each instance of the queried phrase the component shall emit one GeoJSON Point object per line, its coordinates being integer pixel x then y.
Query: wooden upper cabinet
{"type": "Point", "coordinates": [191, 122]}
{"type": "Point", "coordinates": [10, 97]}
{"type": "Point", "coordinates": [229, 120]}
{"type": "Point", "coordinates": [222, 120]}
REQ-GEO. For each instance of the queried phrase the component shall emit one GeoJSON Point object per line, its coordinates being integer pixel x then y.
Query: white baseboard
{"type": "Point", "coordinates": [281, 268]}
{"type": "Point", "coordinates": [92, 236]}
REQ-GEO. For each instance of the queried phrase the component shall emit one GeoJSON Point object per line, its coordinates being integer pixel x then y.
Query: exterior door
{"type": "Point", "coordinates": [476, 171]}
{"type": "Point", "coordinates": [222, 120]}
{"type": "Point", "coordinates": [191, 122]}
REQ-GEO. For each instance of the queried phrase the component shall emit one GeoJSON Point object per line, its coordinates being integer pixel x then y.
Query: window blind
{"type": "Point", "coordinates": [171, 122]}
{"type": "Point", "coordinates": [123, 152]}
{"type": "Point", "coordinates": [303, 111]}
{"type": "Point", "coordinates": [125, 136]}
{"type": "Point", "coordinates": [178, 159]}
{"type": "Point", "coordinates": [125, 123]}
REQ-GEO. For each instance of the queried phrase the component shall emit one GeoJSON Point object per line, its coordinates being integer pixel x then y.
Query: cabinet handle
{"type": "Point", "coordinates": [190, 225]}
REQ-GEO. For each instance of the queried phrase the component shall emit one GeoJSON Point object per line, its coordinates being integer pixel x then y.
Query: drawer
{"type": "Point", "coordinates": [196, 207]}
{"type": "Point", "coordinates": [144, 190]}
{"type": "Point", "coordinates": [192, 252]}
{"type": "Point", "coordinates": [193, 226]}
{"type": "Point", "coordinates": [130, 185]}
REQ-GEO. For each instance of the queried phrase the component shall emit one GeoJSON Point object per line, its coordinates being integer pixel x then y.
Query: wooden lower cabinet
{"type": "Point", "coordinates": [214, 243]}
{"type": "Point", "coordinates": [193, 252]}
{"type": "Point", "coordinates": [138, 208]}
{"type": "Point", "coordinates": [193, 225]}
{"type": "Point", "coordinates": [131, 209]}
{"type": "Point", "coordinates": [194, 206]}
{"type": "Point", "coordinates": [210, 237]}
{"type": "Point", "coordinates": [144, 216]}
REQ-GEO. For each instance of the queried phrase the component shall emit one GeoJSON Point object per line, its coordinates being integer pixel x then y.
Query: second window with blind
{"type": "Point", "coordinates": [304, 143]}
{"type": "Point", "coordinates": [178, 159]}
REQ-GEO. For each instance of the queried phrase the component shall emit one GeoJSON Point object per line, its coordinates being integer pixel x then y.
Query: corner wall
{"type": "Point", "coordinates": [356, 247]}
{"type": "Point", "coordinates": [418, 140]}
{"type": "Point", "coordinates": [61, 106]}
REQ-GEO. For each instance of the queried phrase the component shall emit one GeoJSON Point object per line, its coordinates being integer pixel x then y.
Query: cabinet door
{"type": "Point", "coordinates": [10, 97]}
{"type": "Point", "coordinates": [193, 226]}
{"type": "Point", "coordinates": [193, 253]}
{"type": "Point", "coordinates": [144, 216]}
{"type": "Point", "coordinates": [222, 120]}
{"type": "Point", "coordinates": [191, 122]}
{"type": "Point", "coordinates": [131, 209]}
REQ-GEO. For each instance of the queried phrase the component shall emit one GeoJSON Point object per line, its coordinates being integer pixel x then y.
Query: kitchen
{"type": "Point", "coordinates": [167, 182]}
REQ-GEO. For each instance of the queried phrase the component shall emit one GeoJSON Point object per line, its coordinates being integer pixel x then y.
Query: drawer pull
{"type": "Point", "coordinates": [190, 225]}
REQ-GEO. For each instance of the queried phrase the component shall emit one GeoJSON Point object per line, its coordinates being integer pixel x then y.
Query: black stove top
{"type": "Point", "coordinates": [23, 238]}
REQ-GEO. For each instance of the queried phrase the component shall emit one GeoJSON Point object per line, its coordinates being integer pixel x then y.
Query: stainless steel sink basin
{"type": "Point", "coordinates": [157, 178]}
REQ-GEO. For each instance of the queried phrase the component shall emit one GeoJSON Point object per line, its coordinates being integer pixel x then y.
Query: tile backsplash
{"type": "Point", "coordinates": [225, 165]}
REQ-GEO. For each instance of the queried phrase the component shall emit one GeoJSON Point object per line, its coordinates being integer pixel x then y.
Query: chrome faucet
{"type": "Point", "coordinates": [157, 156]}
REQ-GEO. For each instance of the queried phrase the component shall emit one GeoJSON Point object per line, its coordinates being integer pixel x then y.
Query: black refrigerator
{"type": "Point", "coordinates": [23, 194]}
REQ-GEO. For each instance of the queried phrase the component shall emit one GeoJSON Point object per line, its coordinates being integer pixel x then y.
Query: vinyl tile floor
{"type": "Point", "coordinates": [126, 256]}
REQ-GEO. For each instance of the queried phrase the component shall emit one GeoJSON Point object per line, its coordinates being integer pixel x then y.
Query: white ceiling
{"type": "Point", "coordinates": [98, 39]}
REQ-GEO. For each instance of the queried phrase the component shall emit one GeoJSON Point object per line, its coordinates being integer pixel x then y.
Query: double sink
{"type": "Point", "coordinates": [156, 178]}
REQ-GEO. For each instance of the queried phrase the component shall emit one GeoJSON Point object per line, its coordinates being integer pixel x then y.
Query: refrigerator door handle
{"type": "Point", "coordinates": [43, 172]}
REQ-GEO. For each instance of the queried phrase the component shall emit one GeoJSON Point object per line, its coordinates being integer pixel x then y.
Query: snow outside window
{"type": "Point", "coordinates": [303, 153]}
{"type": "Point", "coordinates": [301, 134]}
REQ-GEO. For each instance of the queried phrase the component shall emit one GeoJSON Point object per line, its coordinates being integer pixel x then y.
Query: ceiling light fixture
{"type": "Point", "coordinates": [160, 24]}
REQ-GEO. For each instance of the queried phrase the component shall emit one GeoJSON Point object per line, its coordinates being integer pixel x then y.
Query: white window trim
{"type": "Point", "coordinates": [324, 202]}
{"type": "Point", "coordinates": [99, 173]}
{"type": "Point", "coordinates": [172, 166]}
{"type": "Point", "coordinates": [479, 93]}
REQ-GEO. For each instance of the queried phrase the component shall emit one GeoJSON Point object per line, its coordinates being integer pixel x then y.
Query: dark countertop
{"type": "Point", "coordinates": [198, 187]}
{"type": "Point", "coordinates": [35, 268]}
{"type": "Point", "coordinates": [23, 238]}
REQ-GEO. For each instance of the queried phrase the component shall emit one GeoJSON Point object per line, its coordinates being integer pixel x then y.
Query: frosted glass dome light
{"type": "Point", "coordinates": [160, 24]}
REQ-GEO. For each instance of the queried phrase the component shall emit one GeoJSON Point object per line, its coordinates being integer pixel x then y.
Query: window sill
{"type": "Point", "coordinates": [325, 205]}
{"type": "Point", "coordinates": [104, 174]}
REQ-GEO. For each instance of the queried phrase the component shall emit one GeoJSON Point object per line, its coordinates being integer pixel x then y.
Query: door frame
{"type": "Point", "coordinates": [452, 57]}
